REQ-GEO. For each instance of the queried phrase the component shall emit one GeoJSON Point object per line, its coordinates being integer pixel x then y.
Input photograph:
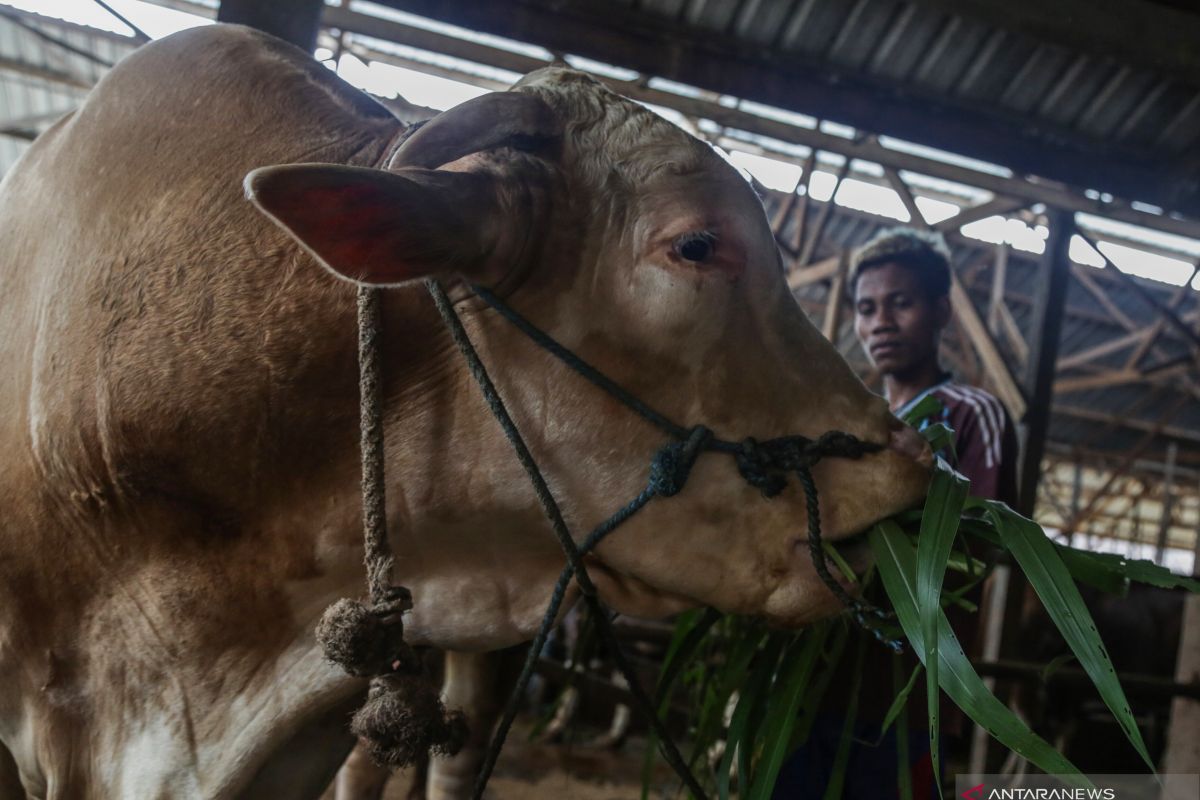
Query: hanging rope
{"type": "Point", "coordinates": [403, 717]}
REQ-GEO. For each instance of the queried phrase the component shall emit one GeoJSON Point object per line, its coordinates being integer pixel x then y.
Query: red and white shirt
{"type": "Point", "coordinates": [985, 441]}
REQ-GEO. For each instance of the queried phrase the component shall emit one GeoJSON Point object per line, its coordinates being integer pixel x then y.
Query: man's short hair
{"type": "Point", "coordinates": [923, 252]}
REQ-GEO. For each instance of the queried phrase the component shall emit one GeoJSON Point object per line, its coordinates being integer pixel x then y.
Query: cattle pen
{"type": "Point", "coordinates": [1052, 147]}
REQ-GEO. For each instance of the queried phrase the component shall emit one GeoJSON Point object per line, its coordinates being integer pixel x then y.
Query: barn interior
{"type": "Point", "coordinates": [1054, 144]}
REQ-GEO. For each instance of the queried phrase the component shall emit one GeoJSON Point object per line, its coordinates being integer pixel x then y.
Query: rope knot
{"type": "Point", "coordinates": [843, 445]}
{"type": "Point", "coordinates": [672, 464]}
{"type": "Point", "coordinates": [766, 465]}
{"type": "Point", "coordinates": [403, 719]}
{"type": "Point", "coordinates": [366, 641]}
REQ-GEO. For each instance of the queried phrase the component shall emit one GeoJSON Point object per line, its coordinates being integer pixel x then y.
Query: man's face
{"type": "Point", "coordinates": [895, 321]}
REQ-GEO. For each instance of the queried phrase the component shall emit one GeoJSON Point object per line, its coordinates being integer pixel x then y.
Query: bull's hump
{"type": "Point", "coordinates": [236, 57]}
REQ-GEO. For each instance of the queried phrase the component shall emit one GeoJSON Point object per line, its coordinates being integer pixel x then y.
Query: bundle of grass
{"type": "Point", "coordinates": [753, 693]}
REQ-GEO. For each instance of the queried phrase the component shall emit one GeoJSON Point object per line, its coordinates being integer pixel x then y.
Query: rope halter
{"type": "Point", "coordinates": [403, 715]}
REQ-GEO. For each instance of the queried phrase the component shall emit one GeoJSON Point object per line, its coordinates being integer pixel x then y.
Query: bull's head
{"type": "Point", "coordinates": [637, 246]}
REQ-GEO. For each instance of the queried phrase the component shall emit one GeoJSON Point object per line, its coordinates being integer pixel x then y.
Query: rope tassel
{"type": "Point", "coordinates": [403, 717]}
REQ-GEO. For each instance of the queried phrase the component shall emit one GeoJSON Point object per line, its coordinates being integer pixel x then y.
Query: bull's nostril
{"type": "Point", "coordinates": [908, 442]}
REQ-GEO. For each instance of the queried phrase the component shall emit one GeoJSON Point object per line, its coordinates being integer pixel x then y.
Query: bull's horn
{"type": "Point", "coordinates": [499, 119]}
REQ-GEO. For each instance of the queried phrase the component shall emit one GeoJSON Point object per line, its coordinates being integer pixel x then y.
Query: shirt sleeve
{"type": "Point", "coordinates": [986, 445]}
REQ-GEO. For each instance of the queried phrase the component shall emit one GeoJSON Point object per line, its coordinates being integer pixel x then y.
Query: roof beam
{"type": "Point", "coordinates": [1132, 423]}
{"type": "Point", "coordinates": [642, 42]}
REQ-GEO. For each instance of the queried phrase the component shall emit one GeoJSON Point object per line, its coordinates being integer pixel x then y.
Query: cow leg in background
{"type": "Point", "coordinates": [473, 683]}
{"type": "Point", "coordinates": [360, 778]}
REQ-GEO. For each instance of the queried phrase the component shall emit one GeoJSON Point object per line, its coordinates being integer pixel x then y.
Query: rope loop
{"type": "Point", "coordinates": [672, 464]}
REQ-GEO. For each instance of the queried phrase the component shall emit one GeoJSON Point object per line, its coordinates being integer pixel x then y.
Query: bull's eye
{"type": "Point", "coordinates": [697, 246]}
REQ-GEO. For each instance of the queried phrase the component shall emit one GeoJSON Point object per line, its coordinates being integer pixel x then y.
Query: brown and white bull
{"type": "Point", "coordinates": [179, 487]}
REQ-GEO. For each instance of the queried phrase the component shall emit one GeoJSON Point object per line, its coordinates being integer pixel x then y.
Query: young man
{"type": "Point", "coordinates": [901, 287]}
{"type": "Point", "coordinates": [900, 283]}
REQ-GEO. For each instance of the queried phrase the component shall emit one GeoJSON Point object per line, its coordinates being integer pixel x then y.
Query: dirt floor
{"type": "Point", "coordinates": [535, 771]}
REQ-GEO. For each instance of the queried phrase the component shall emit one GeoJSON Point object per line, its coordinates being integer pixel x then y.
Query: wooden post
{"type": "Point", "coordinates": [1051, 294]}
{"type": "Point", "coordinates": [295, 21]}
{"type": "Point", "coordinates": [999, 281]}
{"type": "Point", "coordinates": [1183, 745]}
{"type": "Point", "coordinates": [1050, 301]}
{"type": "Point", "coordinates": [1168, 487]}
{"type": "Point", "coordinates": [1076, 490]}
{"type": "Point", "coordinates": [835, 303]}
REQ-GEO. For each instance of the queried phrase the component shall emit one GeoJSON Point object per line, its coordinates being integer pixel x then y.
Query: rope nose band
{"type": "Point", "coordinates": [402, 715]}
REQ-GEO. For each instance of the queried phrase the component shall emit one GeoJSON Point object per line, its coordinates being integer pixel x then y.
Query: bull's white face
{"type": "Point", "coordinates": [639, 248]}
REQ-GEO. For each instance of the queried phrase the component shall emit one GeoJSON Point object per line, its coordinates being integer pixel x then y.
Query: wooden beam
{"type": "Point", "coordinates": [1182, 291]}
{"type": "Point", "coordinates": [865, 149]}
{"type": "Point", "coordinates": [295, 21]}
{"type": "Point", "coordinates": [1113, 345]}
{"type": "Point", "coordinates": [813, 239]}
{"type": "Point", "coordinates": [1051, 295]}
{"type": "Point", "coordinates": [1126, 463]}
{"type": "Point", "coordinates": [1117, 377]}
{"type": "Point", "coordinates": [916, 218]}
{"type": "Point", "coordinates": [1168, 489]}
{"type": "Point", "coordinates": [823, 270]}
{"type": "Point", "coordinates": [997, 206]}
{"type": "Point", "coordinates": [835, 304]}
{"type": "Point", "coordinates": [1112, 420]}
{"type": "Point", "coordinates": [779, 219]}
{"type": "Point", "coordinates": [1097, 458]}
{"type": "Point", "coordinates": [1167, 314]}
{"type": "Point", "coordinates": [655, 44]}
{"type": "Point", "coordinates": [999, 284]}
{"type": "Point", "coordinates": [1012, 335]}
{"type": "Point", "coordinates": [1083, 278]}
{"type": "Point", "coordinates": [801, 224]}
{"type": "Point", "coordinates": [1002, 379]}
{"type": "Point", "coordinates": [44, 73]}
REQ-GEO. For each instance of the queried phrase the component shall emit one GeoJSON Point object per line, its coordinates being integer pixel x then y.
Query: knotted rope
{"type": "Point", "coordinates": [403, 716]}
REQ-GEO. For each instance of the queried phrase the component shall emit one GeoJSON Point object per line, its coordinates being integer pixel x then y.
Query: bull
{"type": "Point", "coordinates": [179, 487]}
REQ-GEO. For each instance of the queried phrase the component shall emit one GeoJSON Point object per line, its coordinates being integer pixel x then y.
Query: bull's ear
{"type": "Point", "coordinates": [378, 227]}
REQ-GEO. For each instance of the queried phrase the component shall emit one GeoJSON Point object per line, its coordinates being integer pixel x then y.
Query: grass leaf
{"type": "Point", "coordinates": [902, 690]}
{"type": "Point", "coordinates": [925, 407]}
{"type": "Point", "coordinates": [785, 701]}
{"type": "Point", "coordinates": [689, 635]}
{"type": "Point", "coordinates": [741, 736]}
{"type": "Point", "coordinates": [896, 560]}
{"type": "Point", "coordinates": [939, 524]}
{"type": "Point", "coordinates": [1051, 580]}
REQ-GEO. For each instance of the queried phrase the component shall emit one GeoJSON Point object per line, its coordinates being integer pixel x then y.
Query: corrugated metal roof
{"type": "Point", "coordinates": [950, 54]}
